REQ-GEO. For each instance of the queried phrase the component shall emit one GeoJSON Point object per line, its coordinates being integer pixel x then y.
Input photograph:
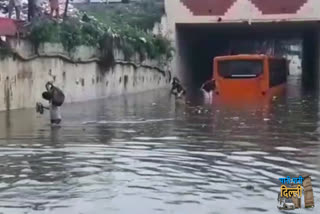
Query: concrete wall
{"type": "Point", "coordinates": [22, 80]}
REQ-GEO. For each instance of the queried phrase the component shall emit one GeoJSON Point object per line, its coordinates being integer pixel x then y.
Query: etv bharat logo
{"type": "Point", "coordinates": [289, 198]}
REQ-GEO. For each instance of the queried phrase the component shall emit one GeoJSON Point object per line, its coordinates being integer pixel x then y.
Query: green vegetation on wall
{"type": "Point", "coordinates": [5, 52]}
{"type": "Point", "coordinates": [90, 32]}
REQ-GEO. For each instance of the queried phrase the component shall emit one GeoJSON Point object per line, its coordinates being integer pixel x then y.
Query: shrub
{"type": "Point", "coordinates": [5, 52]}
{"type": "Point", "coordinates": [72, 33]}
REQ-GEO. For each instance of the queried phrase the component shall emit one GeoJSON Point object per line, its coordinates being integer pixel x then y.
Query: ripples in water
{"type": "Point", "coordinates": [127, 155]}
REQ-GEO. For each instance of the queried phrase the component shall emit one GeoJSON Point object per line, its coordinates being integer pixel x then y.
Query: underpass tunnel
{"type": "Point", "coordinates": [199, 44]}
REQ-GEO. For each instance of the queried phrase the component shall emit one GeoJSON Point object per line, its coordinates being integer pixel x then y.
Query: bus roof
{"type": "Point", "coordinates": [245, 57]}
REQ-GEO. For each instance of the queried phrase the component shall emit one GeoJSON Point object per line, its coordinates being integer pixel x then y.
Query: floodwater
{"type": "Point", "coordinates": [147, 153]}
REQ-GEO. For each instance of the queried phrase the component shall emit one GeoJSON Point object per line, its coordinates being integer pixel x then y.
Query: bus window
{"type": "Point", "coordinates": [240, 68]}
{"type": "Point", "coordinates": [278, 72]}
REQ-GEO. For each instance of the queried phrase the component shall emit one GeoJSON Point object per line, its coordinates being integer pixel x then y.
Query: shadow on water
{"type": "Point", "coordinates": [148, 153]}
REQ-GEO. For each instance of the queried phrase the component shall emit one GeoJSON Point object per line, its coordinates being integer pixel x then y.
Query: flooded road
{"type": "Point", "coordinates": [147, 153]}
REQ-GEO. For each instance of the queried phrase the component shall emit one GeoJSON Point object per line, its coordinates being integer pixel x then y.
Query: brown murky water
{"type": "Point", "coordinates": [147, 154]}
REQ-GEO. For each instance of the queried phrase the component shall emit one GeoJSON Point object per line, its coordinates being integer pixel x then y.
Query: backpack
{"type": "Point", "coordinates": [57, 94]}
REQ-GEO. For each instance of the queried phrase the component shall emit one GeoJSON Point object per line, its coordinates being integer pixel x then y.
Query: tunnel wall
{"type": "Point", "coordinates": [22, 80]}
{"type": "Point", "coordinates": [309, 59]}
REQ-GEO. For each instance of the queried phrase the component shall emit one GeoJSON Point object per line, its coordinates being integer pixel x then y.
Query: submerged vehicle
{"type": "Point", "coordinates": [254, 75]}
{"type": "Point", "coordinates": [251, 77]}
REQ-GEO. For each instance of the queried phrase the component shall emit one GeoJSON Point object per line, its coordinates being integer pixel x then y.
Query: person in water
{"type": "Point", "coordinates": [209, 86]}
{"type": "Point", "coordinates": [177, 88]}
{"type": "Point", "coordinates": [55, 114]}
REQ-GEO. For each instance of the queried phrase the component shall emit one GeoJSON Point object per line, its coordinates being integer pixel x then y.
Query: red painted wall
{"type": "Point", "coordinates": [220, 7]}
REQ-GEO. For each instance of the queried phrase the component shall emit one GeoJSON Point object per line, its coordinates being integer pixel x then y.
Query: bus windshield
{"type": "Point", "coordinates": [240, 68]}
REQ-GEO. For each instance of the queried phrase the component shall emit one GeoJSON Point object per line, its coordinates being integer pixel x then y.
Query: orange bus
{"type": "Point", "coordinates": [246, 78]}
{"type": "Point", "coordinates": [249, 75]}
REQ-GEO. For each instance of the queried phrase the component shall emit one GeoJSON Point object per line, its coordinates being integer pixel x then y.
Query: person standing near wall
{"type": "Point", "coordinates": [37, 8]}
{"type": "Point", "coordinates": [31, 9]}
{"type": "Point", "coordinates": [34, 9]}
{"type": "Point", "coordinates": [54, 5]}
{"type": "Point", "coordinates": [176, 88]}
{"type": "Point", "coordinates": [16, 4]}
{"type": "Point", "coordinates": [55, 97]}
{"type": "Point", "coordinates": [55, 114]}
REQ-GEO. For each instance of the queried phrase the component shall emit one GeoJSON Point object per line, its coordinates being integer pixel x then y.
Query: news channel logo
{"type": "Point", "coordinates": [292, 190]}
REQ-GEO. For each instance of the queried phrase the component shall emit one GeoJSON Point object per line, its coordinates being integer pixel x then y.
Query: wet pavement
{"type": "Point", "coordinates": [148, 153]}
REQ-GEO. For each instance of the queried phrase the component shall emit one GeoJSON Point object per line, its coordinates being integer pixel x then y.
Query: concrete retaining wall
{"type": "Point", "coordinates": [23, 77]}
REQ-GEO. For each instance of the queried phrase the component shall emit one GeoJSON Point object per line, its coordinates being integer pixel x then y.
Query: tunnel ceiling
{"type": "Point", "coordinates": [257, 29]}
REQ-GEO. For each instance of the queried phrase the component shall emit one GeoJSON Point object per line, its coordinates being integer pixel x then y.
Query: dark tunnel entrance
{"type": "Point", "coordinates": [199, 44]}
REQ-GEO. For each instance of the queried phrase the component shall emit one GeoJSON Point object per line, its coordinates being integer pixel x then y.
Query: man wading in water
{"type": "Point", "coordinates": [56, 98]}
{"type": "Point", "coordinates": [177, 89]}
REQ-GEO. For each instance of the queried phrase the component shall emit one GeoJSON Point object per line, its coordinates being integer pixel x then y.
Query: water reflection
{"type": "Point", "coordinates": [148, 153]}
